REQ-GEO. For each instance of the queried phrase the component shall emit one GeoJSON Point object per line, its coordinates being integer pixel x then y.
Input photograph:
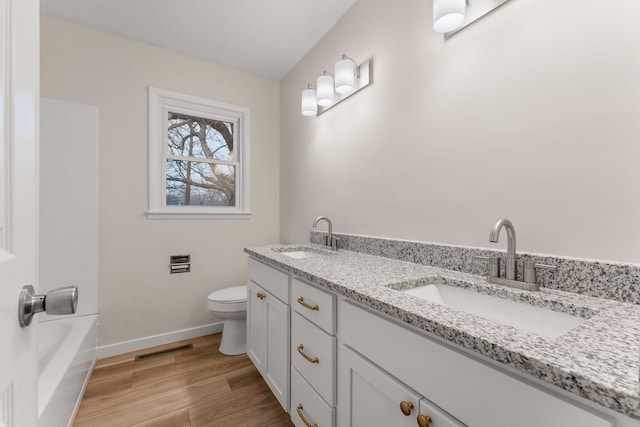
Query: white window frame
{"type": "Point", "coordinates": [160, 103]}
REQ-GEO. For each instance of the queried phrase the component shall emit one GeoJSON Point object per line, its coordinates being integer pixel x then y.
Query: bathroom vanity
{"type": "Point", "coordinates": [342, 342]}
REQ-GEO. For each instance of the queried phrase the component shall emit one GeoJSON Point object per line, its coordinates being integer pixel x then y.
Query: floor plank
{"type": "Point", "coordinates": [111, 401]}
{"type": "Point", "coordinates": [260, 414]}
{"type": "Point", "coordinates": [129, 367]}
{"type": "Point", "coordinates": [153, 405]}
{"type": "Point", "coordinates": [179, 418]}
{"type": "Point", "coordinates": [190, 370]}
{"type": "Point", "coordinates": [193, 388]}
{"type": "Point", "coordinates": [229, 403]}
{"type": "Point", "coordinates": [108, 386]}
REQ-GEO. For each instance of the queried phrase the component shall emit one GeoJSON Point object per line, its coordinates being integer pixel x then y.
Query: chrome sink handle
{"type": "Point", "coordinates": [530, 268]}
{"type": "Point", "coordinates": [494, 264]}
{"type": "Point", "coordinates": [57, 301]}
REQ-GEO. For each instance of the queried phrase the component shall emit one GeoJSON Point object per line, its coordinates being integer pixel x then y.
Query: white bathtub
{"type": "Point", "coordinates": [66, 355]}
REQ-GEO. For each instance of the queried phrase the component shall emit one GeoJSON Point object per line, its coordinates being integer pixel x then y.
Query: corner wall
{"type": "Point", "coordinates": [531, 113]}
{"type": "Point", "coordinates": [137, 295]}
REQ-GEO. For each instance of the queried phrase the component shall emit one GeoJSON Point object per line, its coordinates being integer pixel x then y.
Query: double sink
{"type": "Point", "coordinates": [473, 299]}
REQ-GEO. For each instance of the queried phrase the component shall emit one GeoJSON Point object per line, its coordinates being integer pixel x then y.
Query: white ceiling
{"type": "Point", "coordinates": [265, 37]}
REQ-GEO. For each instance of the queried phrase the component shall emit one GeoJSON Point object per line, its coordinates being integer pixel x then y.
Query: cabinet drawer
{"type": "Point", "coordinates": [272, 280]}
{"type": "Point", "coordinates": [314, 304]}
{"type": "Point", "coordinates": [306, 403]}
{"type": "Point", "coordinates": [318, 367]}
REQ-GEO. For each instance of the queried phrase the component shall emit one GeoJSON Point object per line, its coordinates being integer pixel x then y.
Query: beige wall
{"type": "Point", "coordinates": [532, 113]}
{"type": "Point", "coordinates": [138, 297]}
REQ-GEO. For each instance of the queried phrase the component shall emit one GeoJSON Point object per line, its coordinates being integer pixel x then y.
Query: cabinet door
{"type": "Point", "coordinates": [256, 326]}
{"type": "Point", "coordinates": [278, 323]}
{"type": "Point", "coordinates": [368, 396]}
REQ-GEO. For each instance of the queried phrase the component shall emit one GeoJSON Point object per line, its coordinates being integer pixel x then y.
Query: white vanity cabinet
{"type": "Point", "coordinates": [474, 392]}
{"type": "Point", "coordinates": [313, 356]}
{"type": "Point", "coordinates": [268, 325]}
{"type": "Point", "coordinates": [332, 362]}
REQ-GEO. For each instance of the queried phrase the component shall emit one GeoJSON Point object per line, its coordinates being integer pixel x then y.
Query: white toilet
{"type": "Point", "coordinates": [230, 304]}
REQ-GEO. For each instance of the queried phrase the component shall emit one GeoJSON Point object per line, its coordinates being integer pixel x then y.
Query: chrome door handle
{"type": "Point", "coordinates": [57, 301]}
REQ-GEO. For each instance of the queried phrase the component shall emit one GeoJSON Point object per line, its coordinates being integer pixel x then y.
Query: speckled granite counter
{"type": "Point", "coordinates": [598, 360]}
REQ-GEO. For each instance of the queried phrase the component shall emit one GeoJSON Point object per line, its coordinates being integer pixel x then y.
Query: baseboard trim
{"type": "Point", "coordinates": [154, 340]}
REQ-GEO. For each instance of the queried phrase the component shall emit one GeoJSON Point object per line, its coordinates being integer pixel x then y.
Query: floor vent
{"type": "Point", "coordinates": [163, 352]}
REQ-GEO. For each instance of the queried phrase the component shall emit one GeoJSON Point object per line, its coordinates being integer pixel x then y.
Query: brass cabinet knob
{"type": "Point", "coordinates": [424, 420]}
{"type": "Point", "coordinates": [260, 295]}
{"type": "Point", "coordinates": [406, 407]}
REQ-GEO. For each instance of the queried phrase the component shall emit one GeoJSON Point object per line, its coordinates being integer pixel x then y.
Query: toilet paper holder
{"type": "Point", "coordinates": [180, 264]}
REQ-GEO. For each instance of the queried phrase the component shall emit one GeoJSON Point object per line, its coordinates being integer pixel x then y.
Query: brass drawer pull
{"type": "Point", "coordinates": [305, 305]}
{"type": "Point", "coordinates": [304, 419]}
{"type": "Point", "coordinates": [306, 356]}
{"type": "Point", "coordinates": [424, 420]}
{"type": "Point", "coordinates": [406, 407]}
{"type": "Point", "coordinates": [261, 295]}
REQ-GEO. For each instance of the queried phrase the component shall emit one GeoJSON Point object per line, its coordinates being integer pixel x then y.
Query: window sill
{"type": "Point", "coordinates": [198, 215]}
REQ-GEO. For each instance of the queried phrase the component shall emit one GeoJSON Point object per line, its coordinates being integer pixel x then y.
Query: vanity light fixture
{"type": "Point", "coordinates": [309, 101]}
{"type": "Point", "coordinates": [349, 79]}
{"type": "Point", "coordinates": [448, 15]}
{"type": "Point", "coordinates": [325, 89]}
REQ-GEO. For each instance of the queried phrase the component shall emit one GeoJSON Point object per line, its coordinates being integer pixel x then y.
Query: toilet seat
{"type": "Point", "coordinates": [228, 300]}
{"type": "Point", "coordinates": [229, 295]}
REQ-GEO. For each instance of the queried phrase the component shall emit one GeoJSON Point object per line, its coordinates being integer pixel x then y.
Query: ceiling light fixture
{"type": "Point", "coordinates": [349, 79]}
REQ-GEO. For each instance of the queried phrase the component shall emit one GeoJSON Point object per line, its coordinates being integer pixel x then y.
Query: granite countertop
{"type": "Point", "coordinates": [598, 360]}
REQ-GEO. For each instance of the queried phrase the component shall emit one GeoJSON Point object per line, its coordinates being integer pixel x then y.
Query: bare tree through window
{"type": "Point", "coordinates": [201, 163]}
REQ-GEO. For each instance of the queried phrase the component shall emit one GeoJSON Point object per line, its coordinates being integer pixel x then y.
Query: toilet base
{"type": "Point", "coordinates": [234, 337]}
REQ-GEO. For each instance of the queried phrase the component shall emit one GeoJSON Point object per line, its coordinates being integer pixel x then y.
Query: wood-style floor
{"type": "Point", "coordinates": [192, 388]}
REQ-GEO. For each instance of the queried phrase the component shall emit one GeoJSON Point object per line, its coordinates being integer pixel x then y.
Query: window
{"type": "Point", "coordinates": [198, 158]}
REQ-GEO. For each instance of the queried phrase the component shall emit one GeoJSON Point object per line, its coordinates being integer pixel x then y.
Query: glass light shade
{"type": "Point", "coordinates": [448, 15]}
{"type": "Point", "coordinates": [309, 103]}
{"type": "Point", "coordinates": [345, 75]}
{"type": "Point", "coordinates": [325, 91]}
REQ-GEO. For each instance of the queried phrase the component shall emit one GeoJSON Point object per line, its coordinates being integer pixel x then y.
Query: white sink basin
{"type": "Point", "coordinates": [541, 321]}
{"type": "Point", "coordinates": [300, 253]}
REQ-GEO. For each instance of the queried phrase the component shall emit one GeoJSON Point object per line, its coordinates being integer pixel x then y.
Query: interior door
{"type": "Point", "coordinates": [19, 93]}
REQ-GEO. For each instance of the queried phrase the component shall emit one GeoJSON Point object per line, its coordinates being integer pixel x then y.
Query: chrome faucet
{"type": "Point", "coordinates": [511, 267]}
{"type": "Point", "coordinates": [330, 241]}
{"type": "Point", "coordinates": [511, 279]}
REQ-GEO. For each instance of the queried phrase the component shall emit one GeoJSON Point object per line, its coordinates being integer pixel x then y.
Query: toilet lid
{"type": "Point", "coordinates": [232, 294]}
